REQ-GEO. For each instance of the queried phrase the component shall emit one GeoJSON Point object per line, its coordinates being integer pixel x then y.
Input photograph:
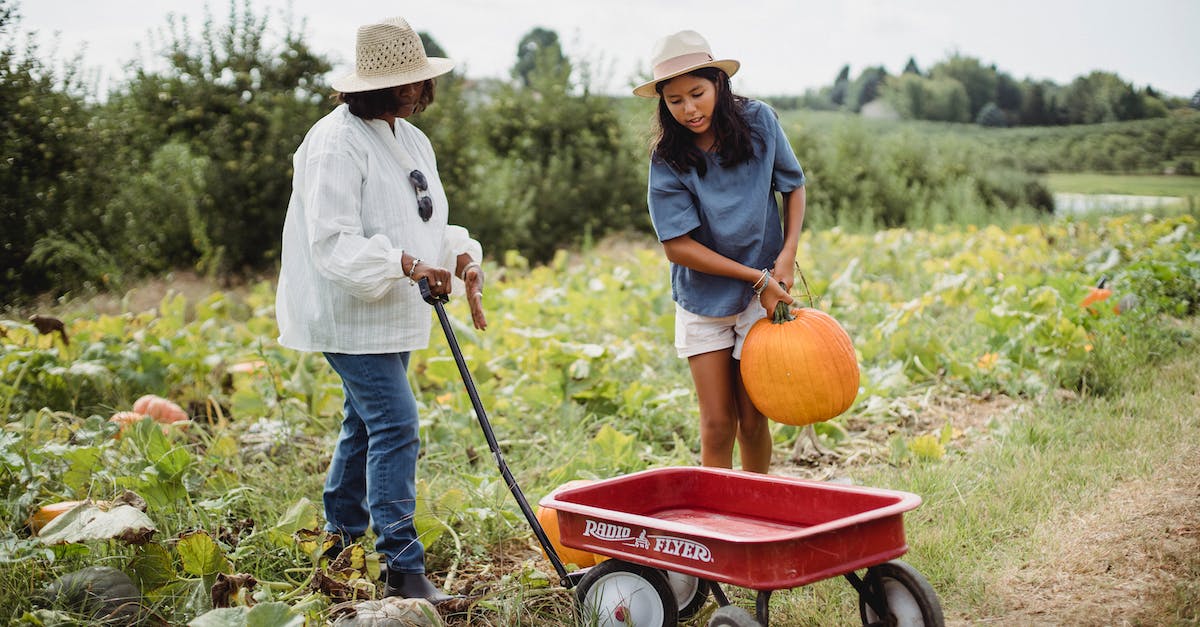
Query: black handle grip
{"type": "Point", "coordinates": [428, 295]}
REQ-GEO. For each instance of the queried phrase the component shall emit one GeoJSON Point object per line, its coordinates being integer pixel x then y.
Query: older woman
{"type": "Point", "coordinates": [367, 220]}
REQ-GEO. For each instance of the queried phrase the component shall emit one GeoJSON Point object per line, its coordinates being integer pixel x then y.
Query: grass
{"type": "Point", "coordinates": [987, 510]}
{"type": "Point", "coordinates": [1136, 185]}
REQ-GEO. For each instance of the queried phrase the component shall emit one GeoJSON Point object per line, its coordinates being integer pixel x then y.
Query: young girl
{"type": "Point", "coordinates": [715, 167]}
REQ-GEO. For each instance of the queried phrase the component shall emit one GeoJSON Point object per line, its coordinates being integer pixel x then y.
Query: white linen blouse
{"type": "Point", "coordinates": [351, 217]}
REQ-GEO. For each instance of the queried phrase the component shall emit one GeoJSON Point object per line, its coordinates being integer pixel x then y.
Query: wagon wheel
{"type": "Point", "coordinates": [911, 601]}
{"type": "Point", "coordinates": [691, 593]}
{"type": "Point", "coordinates": [615, 593]}
{"type": "Point", "coordinates": [732, 616]}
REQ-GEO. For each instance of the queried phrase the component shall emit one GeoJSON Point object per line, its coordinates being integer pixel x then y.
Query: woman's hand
{"type": "Point", "coordinates": [439, 278]}
{"type": "Point", "coordinates": [772, 294]}
{"type": "Point", "coordinates": [473, 277]}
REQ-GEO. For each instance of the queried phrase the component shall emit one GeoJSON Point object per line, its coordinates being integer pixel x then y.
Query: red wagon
{"type": "Point", "coordinates": [675, 533]}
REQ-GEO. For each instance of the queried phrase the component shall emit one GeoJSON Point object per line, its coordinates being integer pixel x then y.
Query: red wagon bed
{"type": "Point", "coordinates": [756, 531]}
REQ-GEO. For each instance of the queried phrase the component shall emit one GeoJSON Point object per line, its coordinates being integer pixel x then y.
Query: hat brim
{"type": "Point", "coordinates": [647, 90]}
{"type": "Point", "coordinates": [354, 82]}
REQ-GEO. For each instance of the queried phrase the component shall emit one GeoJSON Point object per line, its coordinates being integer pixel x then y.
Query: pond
{"type": "Point", "coordinates": [1086, 203]}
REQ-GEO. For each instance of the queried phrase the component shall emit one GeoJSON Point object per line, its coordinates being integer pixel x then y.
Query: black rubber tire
{"type": "Point", "coordinates": [911, 600]}
{"type": "Point", "coordinates": [732, 616]}
{"type": "Point", "coordinates": [691, 593]}
{"type": "Point", "coordinates": [615, 593]}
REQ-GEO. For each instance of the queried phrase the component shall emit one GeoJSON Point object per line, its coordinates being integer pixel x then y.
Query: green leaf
{"type": "Point", "coordinates": [83, 462]}
{"type": "Point", "coordinates": [613, 445]}
{"type": "Point", "coordinates": [201, 555]}
{"type": "Point", "coordinates": [301, 515]}
{"type": "Point", "coordinates": [152, 566]}
{"type": "Point", "coordinates": [273, 615]}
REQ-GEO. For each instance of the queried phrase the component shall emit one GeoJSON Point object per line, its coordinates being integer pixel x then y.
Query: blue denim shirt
{"type": "Point", "coordinates": [730, 210]}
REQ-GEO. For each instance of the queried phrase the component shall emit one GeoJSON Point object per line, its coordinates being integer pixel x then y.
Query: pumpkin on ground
{"type": "Point", "coordinates": [162, 410]}
{"type": "Point", "coordinates": [549, 520]}
{"type": "Point", "coordinates": [47, 513]}
{"type": "Point", "coordinates": [799, 367]}
{"type": "Point", "coordinates": [106, 595]}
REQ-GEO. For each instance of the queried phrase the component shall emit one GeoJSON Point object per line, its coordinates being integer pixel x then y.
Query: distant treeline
{"type": "Point", "coordinates": [187, 162]}
{"type": "Point", "coordinates": [964, 89]}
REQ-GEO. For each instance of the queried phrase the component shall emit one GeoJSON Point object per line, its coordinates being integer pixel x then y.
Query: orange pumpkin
{"type": "Point", "coordinates": [1096, 295]}
{"type": "Point", "coordinates": [160, 409]}
{"type": "Point", "coordinates": [549, 520]}
{"type": "Point", "coordinates": [799, 367]}
{"type": "Point", "coordinates": [47, 513]}
{"type": "Point", "coordinates": [124, 419]}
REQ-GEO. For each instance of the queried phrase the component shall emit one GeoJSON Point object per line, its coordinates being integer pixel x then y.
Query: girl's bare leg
{"type": "Point", "coordinates": [713, 376]}
{"type": "Point", "coordinates": [754, 433]}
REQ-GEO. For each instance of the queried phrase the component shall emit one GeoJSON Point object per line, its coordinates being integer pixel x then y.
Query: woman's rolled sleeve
{"type": "Point", "coordinates": [366, 267]}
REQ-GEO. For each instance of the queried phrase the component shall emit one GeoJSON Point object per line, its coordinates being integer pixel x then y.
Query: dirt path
{"type": "Point", "coordinates": [1124, 563]}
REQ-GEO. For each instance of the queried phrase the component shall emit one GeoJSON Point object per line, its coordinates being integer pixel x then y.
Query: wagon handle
{"type": "Point", "coordinates": [437, 302]}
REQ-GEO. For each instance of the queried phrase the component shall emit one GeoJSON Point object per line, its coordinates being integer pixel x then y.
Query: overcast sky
{"type": "Point", "coordinates": [785, 46]}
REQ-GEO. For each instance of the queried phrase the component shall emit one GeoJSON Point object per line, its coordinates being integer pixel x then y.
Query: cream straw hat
{"type": "Point", "coordinates": [389, 54]}
{"type": "Point", "coordinates": [679, 54]}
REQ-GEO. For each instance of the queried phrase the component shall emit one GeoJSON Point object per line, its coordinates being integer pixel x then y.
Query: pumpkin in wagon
{"type": "Point", "coordinates": [548, 518]}
{"type": "Point", "coordinates": [799, 367]}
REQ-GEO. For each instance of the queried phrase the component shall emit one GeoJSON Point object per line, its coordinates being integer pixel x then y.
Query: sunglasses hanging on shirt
{"type": "Point", "coordinates": [424, 202]}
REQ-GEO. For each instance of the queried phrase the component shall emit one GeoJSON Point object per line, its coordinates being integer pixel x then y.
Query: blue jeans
{"type": "Point", "coordinates": [372, 477]}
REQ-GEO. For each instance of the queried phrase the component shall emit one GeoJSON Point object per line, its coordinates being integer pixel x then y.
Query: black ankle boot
{"type": "Point", "coordinates": [414, 586]}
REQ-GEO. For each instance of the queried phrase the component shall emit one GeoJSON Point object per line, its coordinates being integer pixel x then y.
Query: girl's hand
{"type": "Point", "coordinates": [473, 277]}
{"type": "Point", "coordinates": [772, 295]}
{"type": "Point", "coordinates": [785, 271]}
{"type": "Point", "coordinates": [439, 278]}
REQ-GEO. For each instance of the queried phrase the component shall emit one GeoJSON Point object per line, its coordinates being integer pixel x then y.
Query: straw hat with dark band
{"type": "Point", "coordinates": [389, 54]}
{"type": "Point", "coordinates": [679, 54]}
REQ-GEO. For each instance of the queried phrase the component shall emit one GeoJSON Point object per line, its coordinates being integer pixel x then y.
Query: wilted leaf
{"type": "Point", "coordinates": [225, 590]}
{"type": "Point", "coordinates": [90, 522]}
{"type": "Point", "coordinates": [314, 543]}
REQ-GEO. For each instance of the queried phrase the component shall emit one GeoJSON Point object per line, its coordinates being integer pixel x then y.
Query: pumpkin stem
{"type": "Point", "coordinates": [783, 313]}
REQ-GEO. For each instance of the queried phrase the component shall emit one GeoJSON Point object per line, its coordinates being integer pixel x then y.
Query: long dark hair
{"type": "Point", "coordinates": [377, 103]}
{"type": "Point", "coordinates": [676, 145]}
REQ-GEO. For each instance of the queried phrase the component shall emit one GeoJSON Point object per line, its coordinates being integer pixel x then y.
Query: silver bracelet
{"type": "Point", "coordinates": [761, 283]}
{"type": "Point", "coordinates": [411, 269]}
{"type": "Point", "coordinates": [473, 264]}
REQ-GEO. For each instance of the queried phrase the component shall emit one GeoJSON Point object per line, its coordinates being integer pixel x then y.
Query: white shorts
{"type": "Point", "coordinates": [696, 334]}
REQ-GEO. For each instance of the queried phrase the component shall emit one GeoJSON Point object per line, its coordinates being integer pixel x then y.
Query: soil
{"type": "Point", "coordinates": [1149, 531]}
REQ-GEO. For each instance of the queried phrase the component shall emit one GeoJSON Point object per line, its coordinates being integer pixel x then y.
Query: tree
{"type": "Point", "coordinates": [540, 48]}
{"type": "Point", "coordinates": [841, 85]}
{"type": "Point", "coordinates": [867, 87]}
{"type": "Point", "coordinates": [1195, 101]}
{"type": "Point", "coordinates": [49, 185]}
{"type": "Point", "coordinates": [991, 115]}
{"type": "Point", "coordinates": [1035, 110]}
{"type": "Point", "coordinates": [978, 81]}
{"type": "Point", "coordinates": [432, 47]}
{"type": "Point", "coordinates": [243, 105]}
{"type": "Point", "coordinates": [911, 67]}
{"type": "Point", "coordinates": [937, 99]}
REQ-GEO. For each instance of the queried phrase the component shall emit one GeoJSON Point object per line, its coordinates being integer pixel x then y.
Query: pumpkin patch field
{"type": "Point", "coordinates": [177, 454]}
